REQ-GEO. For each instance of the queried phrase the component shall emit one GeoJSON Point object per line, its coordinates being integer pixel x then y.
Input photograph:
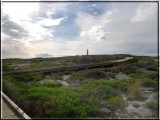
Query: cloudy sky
{"type": "Point", "coordinates": [53, 29]}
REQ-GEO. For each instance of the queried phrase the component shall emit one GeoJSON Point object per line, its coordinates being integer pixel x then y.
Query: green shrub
{"type": "Point", "coordinates": [87, 74]}
{"type": "Point", "coordinates": [134, 60]}
{"type": "Point", "coordinates": [58, 77]}
{"type": "Point", "coordinates": [150, 83]}
{"type": "Point", "coordinates": [101, 89]}
{"type": "Point", "coordinates": [80, 75]}
{"type": "Point", "coordinates": [67, 72]}
{"type": "Point", "coordinates": [154, 76]}
{"type": "Point", "coordinates": [111, 75]}
{"type": "Point", "coordinates": [95, 74]}
{"type": "Point", "coordinates": [130, 70]}
{"type": "Point", "coordinates": [56, 102]}
{"type": "Point", "coordinates": [86, 111]}
{"type": "Point", "coordinates": [71, 79]}
{"type": "Point", "coordinates": [13, 89]}
{"type": "Point", "coordinates": [147, 63]}
{"type": "Point", "coordinates": [52, 84]}
{"type": "Point", "coordinates": [27, 77]}
{"type": "Point", "coordinates": [8, 68]}
{"type": "Point", "coordinates": [124, 85]}
{"type": "Point", "coordinates": [117, 102]}
{"type": "Point", "coordinates": [152, 105]}
{"type": "Point", "coordinates": [121, 85]}
{"type": "Point", "coordinates": [152, 67]}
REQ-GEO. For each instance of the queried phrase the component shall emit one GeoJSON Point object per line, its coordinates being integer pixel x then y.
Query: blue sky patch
{"type": "Point", "coordinates": [67, 29]}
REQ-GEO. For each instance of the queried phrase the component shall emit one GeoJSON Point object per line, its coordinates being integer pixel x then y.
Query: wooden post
{"type": "Point", "coordinates": [87, 59]}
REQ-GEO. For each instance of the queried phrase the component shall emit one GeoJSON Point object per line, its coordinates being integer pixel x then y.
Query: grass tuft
{"type": "Point", "coordinates": [151, 105]}
{"type": "Point", "coordinates": [117, 102]}
{"type": "Point", "coordinates": [134, 91]}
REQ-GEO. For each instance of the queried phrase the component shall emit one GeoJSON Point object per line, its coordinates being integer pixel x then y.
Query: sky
{"type": "Point", "coordinates": [55, 29]}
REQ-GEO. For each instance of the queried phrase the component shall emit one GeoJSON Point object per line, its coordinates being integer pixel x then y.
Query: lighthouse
{"type": "Point", "coordinates": [87, 52]}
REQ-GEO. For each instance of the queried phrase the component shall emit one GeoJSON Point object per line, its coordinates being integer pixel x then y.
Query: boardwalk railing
{"type": "Point", "coordinates": [14, 107]}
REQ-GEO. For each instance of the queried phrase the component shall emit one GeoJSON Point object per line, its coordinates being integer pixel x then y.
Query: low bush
{"type": "Point", "coordinates": [152, 67]}
{"type": "Point", "coordinates": [111, 75]}
{"type": "Point", "coordinates": [13, 89]}
{"type": "Point", "coordinates": [80, 75]}
{"type": "Point", "coordinates": [52, 84]}
{"type": "Point", "coordinates": [28, 77]}
{"type": "Point", "coordinates": [135, 104]}
{"type": "Point", "coordinates": [87, 74]}
{"type": "Point", "coordinates": [134, 60]}
{"type": "Point", "coordinates": [117, 102]}
{"type": "Point", "coordinates": [131, 70]}
{"type": "Point", "coordinates": [95, 74]}
{"type": "Point", "coordinates": [71, 79]}
{"type": "Point", "coordinates": [101, 89]}
{"type": "Point", "coordinates": [56, 102]}
{"type": "Point", "coordinates": [150, 83]}
{"type": "Point", "coordinates": [125, 68]}
{"type": "Point", "coordinates": [8, 68]}
{"type": "Point", "coordinates": [152, 105]}
{"type": "Point", "coordinates": [154, 76]}
{"type": "Point", "coordinates": [121, 86]}
{"type": "Point", "coordinates": [147, 63]}
{"type": "Point", "coordinates": [58, 77]}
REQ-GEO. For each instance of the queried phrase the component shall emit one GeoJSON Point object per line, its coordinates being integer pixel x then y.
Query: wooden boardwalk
{"type": "Point", "coordinates": [65, 68]}
{"type": "Point", "coordinates": [8, 112]}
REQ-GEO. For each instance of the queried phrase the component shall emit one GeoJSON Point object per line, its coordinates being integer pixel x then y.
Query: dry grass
{"type": "Point", "coordinates": [134, 91]}
{"type": "Point", "coordinates": [117, 69]}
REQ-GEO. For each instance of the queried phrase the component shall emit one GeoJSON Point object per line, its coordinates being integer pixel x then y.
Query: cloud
{"type": "Point", "coordinates": [120, 35]}
{"type": "Point", "coordinates": [21, 19]}
{"type": "Point", "coordinates": [97, 32]}
{"type": "Point", "coordinates": [61, 29]}
{"type": "Point", "coordinates": [93, 31]}
{"type": "Point", "coordinates": [49, 9]}
{"type": "Point", "coordinates": [13, 29]}
{"type": "Point", "coordinates": [145, 11]}
{"type": "Point", "coordinates": [50, 22]}
{"type": "Point", "coordinates": [44, 55]}
{"type": "Point", "coordinates": [12, 48]}
{"type": "Point", "coordinates": [19, 11]}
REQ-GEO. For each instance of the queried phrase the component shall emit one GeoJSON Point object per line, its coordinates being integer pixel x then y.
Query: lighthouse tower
{"type": "Point", "coordinates": [87, 52]}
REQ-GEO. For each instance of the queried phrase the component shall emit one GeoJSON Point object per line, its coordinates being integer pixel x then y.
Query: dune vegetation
{"type": "Point", "coordinates": [91, 93]}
